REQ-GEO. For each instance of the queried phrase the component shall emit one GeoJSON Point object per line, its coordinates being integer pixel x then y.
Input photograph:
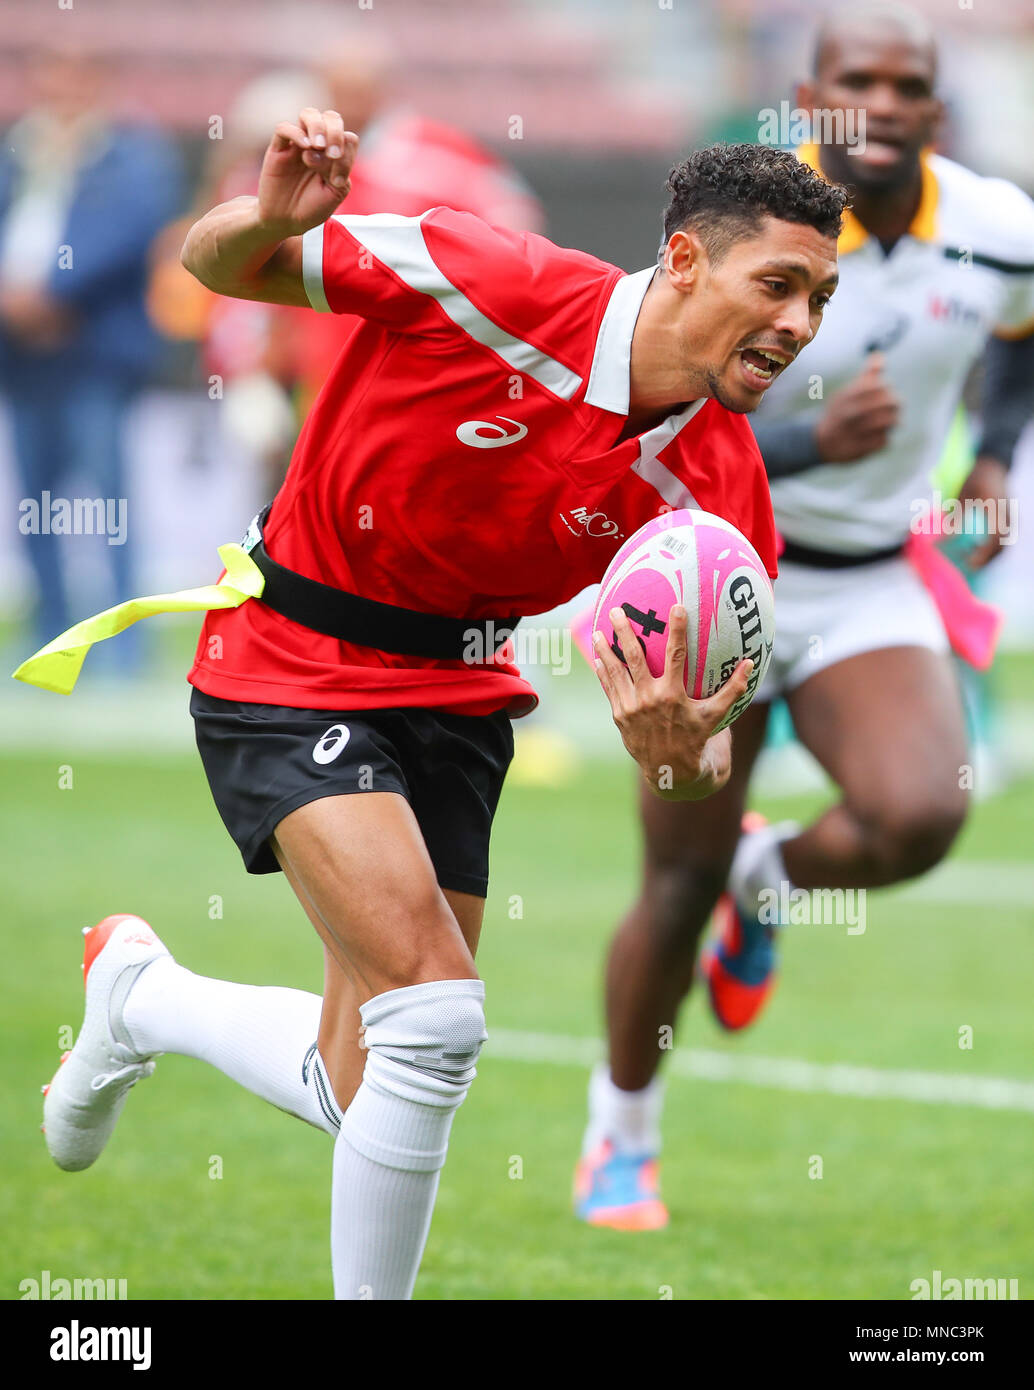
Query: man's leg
{"type": "Point", "coordinates": [337, 1017]}
{"type": "Point", "coordinates": [271, 1040]}
{"type": "Point", "coordinates": [688, 850]}
{"type": "Point", "coordinates": [263, 1037]}
{"type": "Point", "coordinates": [862, 656]}
{"type": "Point", "coordinates": [888, 727]}
{"type": "Point", "coordinates": [35, 404]}
{"type": "Point", "coordinates": [94, 419]}
{"type": "Point", "coordinates": [399, 954]}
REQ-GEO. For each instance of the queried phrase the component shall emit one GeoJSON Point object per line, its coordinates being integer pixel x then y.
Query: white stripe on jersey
{"type": "Point", "coordinates": [652, 471]}
{"type": "Point", "coordinates": [398, 242]}
{"type": "Point", "coordinates": [312, 269]}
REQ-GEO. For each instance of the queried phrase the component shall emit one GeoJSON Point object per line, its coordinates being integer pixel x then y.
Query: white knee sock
{"type": "Point", "coordinates": [422, 1045]}
{"type": "Point", "coordinates": [262, 1037]}
{"type": "Point", "coordinates": [630, 1120]}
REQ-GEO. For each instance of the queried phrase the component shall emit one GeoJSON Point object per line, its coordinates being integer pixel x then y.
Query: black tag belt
{"type": "Point", "coordinates": [368, 623]}
{"type": "Point", "coordinates": [795, 554]}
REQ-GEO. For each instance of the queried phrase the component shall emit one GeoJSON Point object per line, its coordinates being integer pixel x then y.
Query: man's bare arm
{"type": "Point", "coordinates": [250, 248]}
{"type": "Point", "coordinates": [232, 251]}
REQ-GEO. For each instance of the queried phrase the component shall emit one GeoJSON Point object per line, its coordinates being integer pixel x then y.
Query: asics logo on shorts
{"type": "Point", "coordinates": [330, 744]}
{"type": "Point", "coordinates": [485, 434]}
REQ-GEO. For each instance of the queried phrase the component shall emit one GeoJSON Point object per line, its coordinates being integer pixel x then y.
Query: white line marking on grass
{"type": "Point", "coordinates": [783, 1073]}
{"type": "Point", "coordinates": [987, 883]}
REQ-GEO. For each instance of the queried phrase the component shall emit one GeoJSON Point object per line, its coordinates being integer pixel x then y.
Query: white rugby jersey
{"type": "Point", "coordinates": [964, 270]}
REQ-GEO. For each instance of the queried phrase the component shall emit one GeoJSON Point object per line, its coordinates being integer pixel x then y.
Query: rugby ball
{"type": "Point", "coordinates": [707, 565]}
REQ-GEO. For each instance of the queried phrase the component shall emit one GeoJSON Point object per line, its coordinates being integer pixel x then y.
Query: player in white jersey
{"type": "Point", "coordinates": [934, 259]}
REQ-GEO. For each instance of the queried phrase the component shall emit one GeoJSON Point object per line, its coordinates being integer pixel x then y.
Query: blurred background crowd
{"type": "Point", "coordinates": [120, 377]}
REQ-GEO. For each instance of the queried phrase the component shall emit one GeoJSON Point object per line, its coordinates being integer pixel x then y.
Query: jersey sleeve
{"type": "Point", "coordinates": [532, 303]}
{"type": "Point", "coordinates": [376, 267]}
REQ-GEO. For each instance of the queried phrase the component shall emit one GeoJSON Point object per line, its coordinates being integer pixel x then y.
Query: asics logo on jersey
{"type": "Point", "coordinates": [330, 744]}
{"type": "Point", "coordinates": [476, 433]}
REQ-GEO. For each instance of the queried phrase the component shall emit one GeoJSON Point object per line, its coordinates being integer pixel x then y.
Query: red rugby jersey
{"type": "Point", "coordinates": [463, 458]}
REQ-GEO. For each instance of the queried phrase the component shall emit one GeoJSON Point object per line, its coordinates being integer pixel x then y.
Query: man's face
{"type": "Point", "coordinates": [755, 309]}
{"type": "Point", "coordinates": [891, 81]}
{"type": "Point", "coordinates": [67, 83]}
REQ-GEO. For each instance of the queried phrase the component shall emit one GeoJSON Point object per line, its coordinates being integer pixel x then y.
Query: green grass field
{"type": "Point", "coordinates": [907, 1187]}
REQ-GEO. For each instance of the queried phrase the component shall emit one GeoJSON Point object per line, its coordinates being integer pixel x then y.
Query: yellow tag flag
{"type": "Point", "coordinates": [57, 665]}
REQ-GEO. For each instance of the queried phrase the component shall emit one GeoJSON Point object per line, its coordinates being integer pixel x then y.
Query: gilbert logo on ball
{"type": "Point", "coordinates": [704, 563]}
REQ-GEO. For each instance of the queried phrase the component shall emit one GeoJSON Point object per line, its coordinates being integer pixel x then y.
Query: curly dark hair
{"type": "Point", "coordinates": [724, 191]}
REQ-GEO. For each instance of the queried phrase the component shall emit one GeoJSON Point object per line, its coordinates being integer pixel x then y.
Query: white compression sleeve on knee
{"type": "Point", "coordinates": [422, 1047]}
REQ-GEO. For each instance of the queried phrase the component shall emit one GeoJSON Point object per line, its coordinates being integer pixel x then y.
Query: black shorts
{"type": "Point", "coordinates": [264, 761]}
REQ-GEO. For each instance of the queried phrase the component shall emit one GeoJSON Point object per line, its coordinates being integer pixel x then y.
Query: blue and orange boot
{"type": "Point", "coordinates": [740, 970]}
{"type": "Point", "coordinates": [619, 1190]}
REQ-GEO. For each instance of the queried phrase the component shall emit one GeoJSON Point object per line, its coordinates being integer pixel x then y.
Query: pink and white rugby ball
{"type": "Point", "coordinates": [704, 563]}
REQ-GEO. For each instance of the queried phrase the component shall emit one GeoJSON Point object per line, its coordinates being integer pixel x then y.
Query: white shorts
{"type": "Point", "coordinates": [824, 616]}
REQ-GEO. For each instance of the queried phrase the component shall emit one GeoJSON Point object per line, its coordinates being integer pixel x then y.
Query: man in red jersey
{"type": "Point", "coordinates": [355, 722]}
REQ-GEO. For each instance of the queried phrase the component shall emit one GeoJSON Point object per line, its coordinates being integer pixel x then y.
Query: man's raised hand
{"type": "Point", "coordinates": [305, 172]}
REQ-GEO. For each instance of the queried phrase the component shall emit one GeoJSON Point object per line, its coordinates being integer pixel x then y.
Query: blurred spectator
{"type": "Point", "coordinates": [81, 198]}
{"type": "Point", "coordinates": [406, 165]}
{"type": "Point", "coordinates": [240, 347]}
